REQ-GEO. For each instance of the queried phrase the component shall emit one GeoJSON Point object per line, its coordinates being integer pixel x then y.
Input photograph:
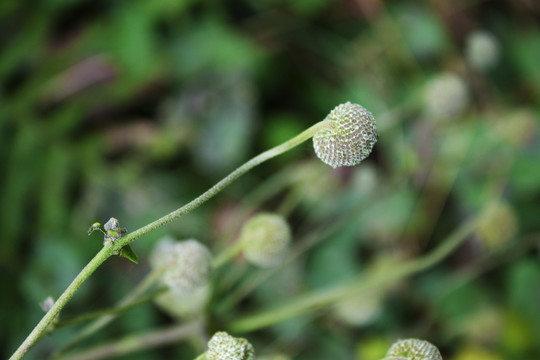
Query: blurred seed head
{"type": "Point", "coordinates": [222, 346]}
{"type": "Point", "coordinates": [359, 310]}
{"type": "Point", "coordinates": [497, 225]}
{"type": "Point", "coordinates": [446, 96]}
{"type": "Point", "coordinates": [266, 239]}
{"type": "Point", "coordinates": [181, 304]}
{"type": "Point", "coordinates": [482, 50]}
{"type": "Point", "coordinates": [350, 140]}
{"type": "Point", "coordinates": [187, 263]}
{"type": "Point", "coordinates": [413, 349]}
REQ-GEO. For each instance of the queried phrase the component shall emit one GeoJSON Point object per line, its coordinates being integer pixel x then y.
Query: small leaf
{"type": "Point", "coordinates": [129, 254]}
{"type": "Point", "coordinates": [96, 226]}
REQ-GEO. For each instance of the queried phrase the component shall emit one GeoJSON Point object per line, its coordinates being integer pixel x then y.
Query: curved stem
{"type": "Point", "coordinates": [106, 252]}
{"type": "Point", "coordinates": [325, 297]}
{"type": "Point", "coordinates": [250, 164]}
{"type": "Point", "coordinates": [41, 327]}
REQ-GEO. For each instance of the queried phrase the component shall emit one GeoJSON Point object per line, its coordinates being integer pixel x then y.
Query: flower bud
{"type": "Point", "coordinates": [350, 140]}
{"type": "Point", "coordinates": [413, 349]}
{"type": "Point", "coordinates": [266, 239]}
{"type": "Point", "coordinates": [222, 346]}
{"type": "Point", "coordinates": [187, 263]}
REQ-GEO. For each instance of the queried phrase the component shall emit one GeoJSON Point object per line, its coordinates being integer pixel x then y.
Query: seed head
{"type": "Point", "coordinates": [222, 346]}
{"type": "Point", "coordinates": [350, 140]}
{"type": "Point", "coordinates": [266, 239]}
{"type": "Point", "coordinates": [413, 349]}
{"type": "Point", "coordinates": [187, 263]}
{"type": "Point", "coordinates": [482, 50]}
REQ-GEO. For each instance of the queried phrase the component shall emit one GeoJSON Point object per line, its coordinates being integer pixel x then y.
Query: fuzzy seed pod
{"type": "Point", "coordinates": [350, 140]}
{"type": "Point", "coordinates": [413, 349]}
{"type": "Point", "coordinates": [497, 225]}
{"type": "Point", "coordinates": [266, 239]}
{"type": "Point", "coordinates": [482, 50]}
{"type": "Point", "coordinates": [446, 96]}
{"type": "Point", "coordinates": [187, 263]}
{"type": "Point", "coordinates": [222, 346]}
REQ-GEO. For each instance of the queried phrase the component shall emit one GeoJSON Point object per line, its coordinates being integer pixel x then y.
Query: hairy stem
{"type": "Point", "coordinates": [319, 299]}
{"type": "Point", "coordinates": [41, 327]}
{"type": "Point", "coordinates": [106, 252]}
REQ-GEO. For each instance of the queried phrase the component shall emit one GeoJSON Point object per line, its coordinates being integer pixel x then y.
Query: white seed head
{"type": "Point", "coordinates": [223, 346]}
{"type": "Point", "coordinates": [350, 140]}
{"type": "Point", "coordinates": [413, 349]}
{"type": "Point", "coordinates": [445, 96]}
{"type": "Point", "coordinates": [187, 263]}
{"type": "Point", "coordinates": [482, 50]}
{"type": "Point", "coordinates": [266, 238]}
{"type": "Point", "coordinates": [359, 310]}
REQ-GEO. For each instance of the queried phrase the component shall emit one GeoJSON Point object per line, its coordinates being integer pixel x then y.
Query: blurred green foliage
{"type": "Point", "coordinates": [132, 108]}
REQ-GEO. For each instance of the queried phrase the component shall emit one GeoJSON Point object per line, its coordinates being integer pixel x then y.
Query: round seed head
{"type": "Point", "coordinates": [497, 225]}
{"type": "Point", "coordinates": [266, 238]}
{"type": "Point", "coordinates": [482, 50]}
{"type": "Point", "coordinates": [222, 346]}
{"type": "Point", "coordinates": [350, 140]}
{"type": "Point", "coordinates": [187, 263]}
{"type": "Point", "coordinates": [413, 349]}
{"type": "Point", "coordinates": [445, 97]}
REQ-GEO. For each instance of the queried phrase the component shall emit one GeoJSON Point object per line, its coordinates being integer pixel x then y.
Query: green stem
{"type": "Point", "coordinates": [106, 252]}
{"type": "Point", "coordinates": [41, 327]}
{"type": "Point", "coordinates": [201, 357]}
{"type": "Point", "coordinates": [92, 328]}
{"type": "Point", "coordinates": [325, 297]}
{"type": "Point", "coordinates": [227, 254]}
{"type": "Point", "coordinates": [135, 343]}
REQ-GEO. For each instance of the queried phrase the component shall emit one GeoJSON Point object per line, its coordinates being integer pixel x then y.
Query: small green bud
{"type": "Point", "coordinates": [350, 140]}
{"type": "Point", "coordinates": [222, 346]}
{"type": "Point", "coordinates": [187, 263]}
{"type": "Point", "coordinates": [413, 349]}
{"type": "Point", "coordinates": [266, 238]}
{"type": "Point", "coordinates": [497, 225]}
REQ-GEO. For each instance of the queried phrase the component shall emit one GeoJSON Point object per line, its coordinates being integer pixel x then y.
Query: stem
{"type": "Point", "coordinates": [126, 302]}
{"type": "Point", "coordinates": [325, 297]}
{"type": "Point", "coordinates": [227, 254]}
{"type": "Point", "coordinates": [135, 343]}
{"type": "Point", "coordinates": [106, 252]}
{"type": "Point", "coordinates": [41, 327]}
{"type": "Point", "coordinates": [201, 357]}
{"type": "Point", "coordinates": [250, 164]}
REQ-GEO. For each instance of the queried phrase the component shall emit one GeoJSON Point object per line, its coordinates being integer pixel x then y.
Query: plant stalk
{"type": "Point", "coordinates": [106, 252]}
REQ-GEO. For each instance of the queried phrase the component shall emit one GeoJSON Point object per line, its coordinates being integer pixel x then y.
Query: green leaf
{"type": "Point", "coordinates": [96, 226]}
{"type": "Point", "coordinates": [129, 254]}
